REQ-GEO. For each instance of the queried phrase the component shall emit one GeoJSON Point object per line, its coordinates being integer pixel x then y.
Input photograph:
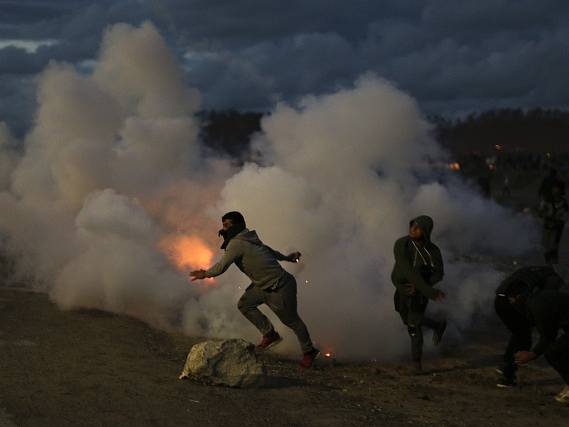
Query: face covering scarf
{"type": "Point", "coordinates": [229, 234]}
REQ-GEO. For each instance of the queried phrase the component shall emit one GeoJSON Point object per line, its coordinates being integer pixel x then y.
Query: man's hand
{"type": "Point", "coordinates": [410, 289]}
{"type": "Point", "coordinates": [197, 275]}
{"type": "Point", "coordinates": [523, 357]}
{"type": "Point", "coordinates": [440, 296]}
{"type": "Point", "coordinates": [294, 257]}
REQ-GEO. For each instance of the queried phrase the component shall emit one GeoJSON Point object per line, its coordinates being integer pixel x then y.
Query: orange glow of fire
{"type": "Point", "coordinates": [187, 252]}
{"type": "Point", "coordinates": [455, 166]}
{"type": "Point", "coordinates": [328, 354]}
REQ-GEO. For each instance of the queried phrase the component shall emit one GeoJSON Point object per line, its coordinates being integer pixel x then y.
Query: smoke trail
{"type": "Point", "coordinates": [113, 170]}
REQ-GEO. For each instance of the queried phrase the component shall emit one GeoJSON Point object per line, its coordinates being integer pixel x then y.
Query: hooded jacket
{"type": "Point", "coordinates": [256, 260]}
{"type": "Point", "coordinates": [420, 265]}
{"type": "Point", "coordinates": [534, 278]}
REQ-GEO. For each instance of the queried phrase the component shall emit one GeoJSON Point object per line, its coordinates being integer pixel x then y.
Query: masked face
{"type": "Point", "coordinates": [226, 226]}
{"type": "Point", "coordinates": [229, 231]}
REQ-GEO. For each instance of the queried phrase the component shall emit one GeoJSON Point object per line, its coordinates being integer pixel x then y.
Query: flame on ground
{"type": "Point", "coordinates": [187, 252]}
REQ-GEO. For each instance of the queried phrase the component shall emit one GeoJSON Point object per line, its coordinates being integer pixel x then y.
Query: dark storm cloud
{"type": "Point", "coordinates": [234, 23]}
{"type": "Point", "coordinates": [452, 56]}
{"type": "Point", "coordinates": [270, 71]}
{"type": "Point", "coordinates": [17, 102]}
{"type": "Point", "coordinates": [26, 11]}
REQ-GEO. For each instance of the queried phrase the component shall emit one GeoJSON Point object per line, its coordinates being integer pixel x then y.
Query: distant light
{"type": "Point", "coordinates": [499, 147]}
{"type": "Point", "coordinates": [454, 166]}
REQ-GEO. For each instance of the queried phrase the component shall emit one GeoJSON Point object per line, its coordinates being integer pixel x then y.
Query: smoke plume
{"type": "Point", "coordinates": [114, 200]}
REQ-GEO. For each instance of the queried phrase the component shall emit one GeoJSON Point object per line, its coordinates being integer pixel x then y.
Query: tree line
{"type": "Point", "coordinates": [511, 130]}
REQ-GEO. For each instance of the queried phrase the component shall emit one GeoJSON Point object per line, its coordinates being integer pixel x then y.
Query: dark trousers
{"type": "Point", "coordinates": [283, 303]}
{"type": "Point", "coordinates": [558, 356]}
{"type": "Point", "coordinates": [520, 329]}
{"type": "Point", "coordinates": [551, 240]}
{"type": "Point", "coordinates": [412, 311]}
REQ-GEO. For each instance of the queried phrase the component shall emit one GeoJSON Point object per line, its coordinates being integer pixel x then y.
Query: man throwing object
{"type": "Point", "coordinates": [270, 284]}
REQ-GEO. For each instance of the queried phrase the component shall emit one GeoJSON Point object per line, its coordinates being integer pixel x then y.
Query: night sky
{"type": "Point", "coordinates": [453, 56]}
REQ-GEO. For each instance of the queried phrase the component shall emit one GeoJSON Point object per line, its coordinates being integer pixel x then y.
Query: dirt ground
{"type": "Point", "coordinates": [96, 369]}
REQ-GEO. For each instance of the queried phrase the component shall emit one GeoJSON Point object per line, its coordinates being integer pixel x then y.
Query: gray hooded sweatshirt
{"type": "Point", "coordinates": [256, 260]}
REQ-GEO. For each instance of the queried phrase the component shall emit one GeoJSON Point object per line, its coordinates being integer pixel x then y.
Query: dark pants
{"type": "Point", "coordinates": [558, 356]}
{"type": "Point", "coordinates": [520, 329]}
{"type": "Point", "coordinates": [283, 303]}
{"type": "Point", "coordinates": [551, 240]}
{"type": "Point", "coordinates": [412, 311]}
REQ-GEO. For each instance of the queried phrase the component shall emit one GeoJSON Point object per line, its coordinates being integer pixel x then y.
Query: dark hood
{"type": "Point", "coordinates": [425, 223]}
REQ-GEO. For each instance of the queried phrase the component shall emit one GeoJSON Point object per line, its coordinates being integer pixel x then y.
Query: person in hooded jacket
{"type": "Point", "coordinates": [532, 279]}
{"type": "Point", "coordinates": [418, 267]}
{"type": "Point", "coordinates": [270, 284]}
{"type": "Point", "coordinates": [548, 312]}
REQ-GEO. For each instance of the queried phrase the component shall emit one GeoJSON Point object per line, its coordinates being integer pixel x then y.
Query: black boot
{"type": "Point", "coordinates": [508, 376]}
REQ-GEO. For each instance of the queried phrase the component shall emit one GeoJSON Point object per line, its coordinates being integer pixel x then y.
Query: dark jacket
{"type": "Point", "coordinates": [546, 187]}
{"type": "Point", "coordinates": [420, 265]}
{"type": "Point", "coordinates": [533, 278]}
{"type": "Point", "coordinates": [548, 311]}
{"type": "Point", "coordinates": [554, 212]}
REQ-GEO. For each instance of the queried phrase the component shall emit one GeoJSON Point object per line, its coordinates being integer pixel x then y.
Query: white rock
{"type": "Point", "coordinates": [228, 362]}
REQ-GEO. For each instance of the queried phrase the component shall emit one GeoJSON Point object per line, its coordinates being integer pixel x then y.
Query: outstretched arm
{"type": "Point", "coordinates": [232, 252]}
{"type": "Point", "coordinates": [293, 257]}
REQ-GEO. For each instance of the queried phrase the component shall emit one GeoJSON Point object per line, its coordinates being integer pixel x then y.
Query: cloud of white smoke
{"type": "Point", "coordinates": [91, 197]}
{"type": "Point", "coordinates": [342, 187]}
{"type": "Point", "coordinates": [113, 172]}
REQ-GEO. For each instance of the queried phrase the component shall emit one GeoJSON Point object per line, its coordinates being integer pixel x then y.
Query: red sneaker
{"type": "Point", "coordinates": [268, 341]}
{"type": "Point", "coordinates": [308, 358]}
